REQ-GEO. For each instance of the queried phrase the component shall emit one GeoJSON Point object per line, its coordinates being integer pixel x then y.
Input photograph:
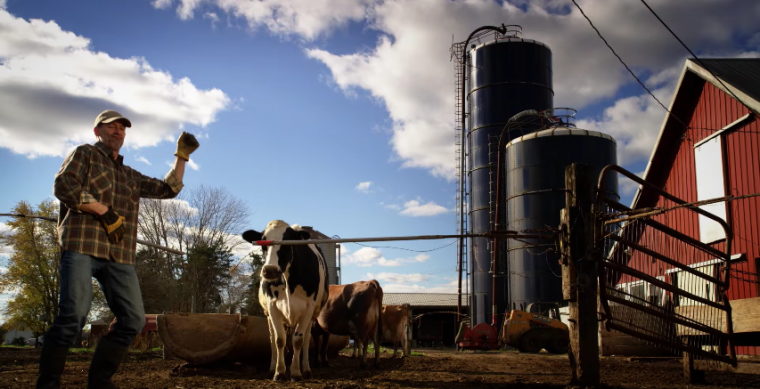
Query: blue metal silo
{"type": "Point", "coordinates": [507, 75]}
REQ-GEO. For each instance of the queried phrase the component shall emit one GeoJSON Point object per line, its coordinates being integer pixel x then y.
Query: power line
{"type": "Point", "coordinates": [626, 66]}
{"type": "Point", "coordinates": [402, 248]}
{"type": "Point", "coordinates": [693, 55]}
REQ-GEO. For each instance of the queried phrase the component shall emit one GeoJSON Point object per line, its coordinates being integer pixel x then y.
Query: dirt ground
{"type": "Point", "coordinates": [436, 369]}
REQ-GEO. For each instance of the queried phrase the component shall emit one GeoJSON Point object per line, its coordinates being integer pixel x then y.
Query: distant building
{"type": "Point", "coordinates": [436, 324]}
{"type": "Point", "coordinates": [331, 251]}
{"type": "Point", "coordinates": [13, 334]}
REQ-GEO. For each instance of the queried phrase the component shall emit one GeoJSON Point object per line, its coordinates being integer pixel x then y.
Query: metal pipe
{"type": "Point", "coordinates": [672, 318]}
{"type": "Point", "coordinates": [502, 30]}
{"type": "Point", "coordinates": [140, 241]}
{"type": "Point", "coordinates": [669, 261]}
{"type": "Point", "coordinates": [674, 345]}
{"type": "Point", "coordinates": [660, 284]}
{"type": "Point", "coordinates": [504, 234]}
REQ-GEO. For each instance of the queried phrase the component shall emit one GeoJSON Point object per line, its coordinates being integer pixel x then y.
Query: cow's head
{"type": "Point", "coordinates": [276, 257]}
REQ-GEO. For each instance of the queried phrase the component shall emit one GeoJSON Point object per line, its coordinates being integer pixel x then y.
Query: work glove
{"type": "Point", "coordinates": [186, 144]}
{"type": "Point", "coordinates": [114, 225]}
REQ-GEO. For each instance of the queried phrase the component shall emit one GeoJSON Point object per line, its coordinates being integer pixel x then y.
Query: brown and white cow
{"type": "Point", "coordinates": [353, 310]}
{"type": "Point", "coordinates": [293, 292]}
{"type": "Point", "coordinates": [396, 320]}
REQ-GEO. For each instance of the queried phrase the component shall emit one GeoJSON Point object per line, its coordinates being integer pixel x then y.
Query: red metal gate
{"type": "Point", "coordinates": [658, 284]}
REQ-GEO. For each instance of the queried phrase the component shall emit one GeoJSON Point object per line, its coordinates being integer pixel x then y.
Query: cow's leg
{"type": "Point", "coordinates": [299, 338]}
{"type": "Point", "coordinates": [306, 367]}
{"type": "Point", "coordinates": [272, 345]}
{"type": "Point", "coordinates": [280, 336]}
{"type": "Point", "coordinates": [323, 348]}
{"type": "Point", "coordinates": [355, 346]}
{"type": "Point", "coordinates": [376, 341]}
{"type": "Point", "coordinates": [363, 351]}
{"type": "Point", "coordinates": [395, 347]}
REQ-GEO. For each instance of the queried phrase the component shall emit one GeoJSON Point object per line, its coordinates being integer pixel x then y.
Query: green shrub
{"type": "Point", "coordinates": [18, 341]}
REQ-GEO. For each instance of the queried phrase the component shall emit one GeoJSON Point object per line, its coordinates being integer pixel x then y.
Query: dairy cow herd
{"type": "Point", "coordinates": [298, 301]}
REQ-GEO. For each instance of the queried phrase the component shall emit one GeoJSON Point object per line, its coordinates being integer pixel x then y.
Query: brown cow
{"type": "Point", "coordinates": [353, 310]}
{"type": "Point", "coordinates": [395, 319]}
{"type": "Point", "coordinates": [395, 322]}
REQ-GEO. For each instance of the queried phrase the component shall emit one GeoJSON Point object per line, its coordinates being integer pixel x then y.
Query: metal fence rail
{"type": "Point", "coordinates": [661, 285]}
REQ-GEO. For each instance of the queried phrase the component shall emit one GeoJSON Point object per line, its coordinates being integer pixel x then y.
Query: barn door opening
{"type": "Point", "coordinates": [663, 286]}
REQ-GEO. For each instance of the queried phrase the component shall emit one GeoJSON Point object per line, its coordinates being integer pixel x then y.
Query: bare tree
{"type": "Point", "coordinates": [202, 218]}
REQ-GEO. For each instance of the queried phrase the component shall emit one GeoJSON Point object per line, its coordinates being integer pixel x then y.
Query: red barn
{"type": "Point", "coordinates": [715, 154]}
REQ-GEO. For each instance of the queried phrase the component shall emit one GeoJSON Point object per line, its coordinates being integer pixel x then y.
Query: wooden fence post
{"type": "Point", "coordinates": [580, 275]}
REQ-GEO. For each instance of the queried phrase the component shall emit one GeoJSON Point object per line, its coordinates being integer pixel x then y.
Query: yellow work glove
{"type": "Point", "coordinates": [186, 144]}
{"type": "Point", "coordinates": [113, 224]}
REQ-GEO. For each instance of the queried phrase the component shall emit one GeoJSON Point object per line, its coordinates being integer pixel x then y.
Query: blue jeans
{"type": "Point", "coordinates": [120, 287]}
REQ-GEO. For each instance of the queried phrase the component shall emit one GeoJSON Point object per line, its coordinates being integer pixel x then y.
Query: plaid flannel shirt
{"type": "Point", "coordinates": [90, 174]}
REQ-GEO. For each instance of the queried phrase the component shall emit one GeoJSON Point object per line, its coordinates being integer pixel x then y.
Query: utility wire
{"type": "Point", "coordinates": [402, 248]}
{"type": "Point", "coordinates": [693, 55]}
{"type": "Point", "coordinates": [626, 66]}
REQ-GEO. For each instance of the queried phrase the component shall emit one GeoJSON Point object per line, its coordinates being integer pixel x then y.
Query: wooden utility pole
{"type": "Point", "coordinates": [580, 275]}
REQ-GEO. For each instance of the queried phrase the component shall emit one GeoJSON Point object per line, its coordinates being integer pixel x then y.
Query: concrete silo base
{"type": "Point", "coordinates": [200, 338]}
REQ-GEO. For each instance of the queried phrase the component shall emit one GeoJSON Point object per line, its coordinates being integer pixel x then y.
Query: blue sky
{"type": "Point", "coordinates": [299, 104]}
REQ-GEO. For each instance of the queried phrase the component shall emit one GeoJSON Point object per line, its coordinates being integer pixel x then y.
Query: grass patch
{"type": "Point", "coordinates": [80, 350]}
{"type": "Point", "coordinates": [417, 354]}
{"type": "Point", "coordinates": [12, 346]}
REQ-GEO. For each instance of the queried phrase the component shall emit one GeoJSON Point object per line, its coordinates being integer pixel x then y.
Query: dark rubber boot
{"type": "Point", "coordinates": [107, 358]}
{"type": "Point", "coordinates": [52, 361]}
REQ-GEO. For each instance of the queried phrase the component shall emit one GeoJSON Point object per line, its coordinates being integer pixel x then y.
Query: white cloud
{"type": "Point", "coordinates": [213, 17]}
{"type": "Point", "coordinates": [627, 186]}
{"type": "Point", "coordinates": [143, 159]}
{"type": "Point", "coordinates": [2, 4]}
{"type": "Point", "coordinates": [399, 278]}
{"type": "Point", "coordinates": [414, 208]}
{"type": "Point", "coordinates": [306, 18]}
{"type": "Point", "coordinates": [364, 257]}
{"type": "Point", "coordinates": [44, 68]}
{"type": "Point", "coordinates": [408, 69]}
{"type": "Point", "coordinates": [193, 165]}
{"type": "Point", "coordinates": [370, 256]}
{"type": "Point", "coordinates": [363, 187]}
{"type": "Point", "coordinates": [450, 287]}
{"type": "Point", "coordinates": [421, 257]}
{"type": "Point", "coordinates": [5, 250]}
{"type": "Point", "coordinates": [162, 4]}
{"type": "Point", "coordinates": [394, 207]}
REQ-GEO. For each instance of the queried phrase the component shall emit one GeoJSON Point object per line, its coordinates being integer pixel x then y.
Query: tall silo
{"type": "Point", "coordinates": [507, 75]}
{"type": "Point", "coordinates": [535, 187]}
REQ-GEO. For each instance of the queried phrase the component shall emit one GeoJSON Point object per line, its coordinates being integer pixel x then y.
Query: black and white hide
{"type": "Point", "coordinates": [293, 291]}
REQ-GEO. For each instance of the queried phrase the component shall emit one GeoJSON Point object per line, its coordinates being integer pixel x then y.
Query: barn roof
{"type": "Point", "coordinates": [740, 75]}
{"type": "Point", "coordinates": [423, 299]}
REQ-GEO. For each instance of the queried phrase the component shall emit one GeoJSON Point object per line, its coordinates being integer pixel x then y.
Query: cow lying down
{"type": "Point", "coordinates": [293, 291]}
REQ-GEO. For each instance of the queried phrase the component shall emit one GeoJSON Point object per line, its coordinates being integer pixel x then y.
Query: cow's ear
{"type": "Point", "coordinates": [252, 236]}
{"type": "Point", "coordinates": [304, 235]}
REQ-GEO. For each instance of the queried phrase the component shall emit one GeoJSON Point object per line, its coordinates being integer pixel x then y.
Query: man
{"type": "Point", "coordinates": [97, 229]}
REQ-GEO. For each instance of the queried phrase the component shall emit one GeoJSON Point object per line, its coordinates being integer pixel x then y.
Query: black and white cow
{"type": "Point", "coordinates": [293, 291]}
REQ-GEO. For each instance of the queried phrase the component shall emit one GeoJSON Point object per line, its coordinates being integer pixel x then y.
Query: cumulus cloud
{"type": "Point", "coordinates": [363, 187]}
{"type": "Point", "coordinates": [398, 278]}
{"type": "Point", "coordinates": [449, 287]}
{"type": "Point", "coordinates": [415, 208]}
{"type": "Point", "coordinates": [627, 186]}
{"type": "Point", "coordinates": [143, 159]}
{"type": "Point", "coordinates": [213, 17]}
{"type": "Point", "coordinates": [370, 256]}
{"type": "Point", "coordinates": [45, 68]}
{"type": "Point", "coordinates": [409, 71]}
{"type": "Point", "coordinates": [5, 250]}
{"type": "Point", "coordinates": [364, 257]}
{"type": "Point", "coordinates": [193, 165]}
{"type": "Point", "coordinates": [306, 18]}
